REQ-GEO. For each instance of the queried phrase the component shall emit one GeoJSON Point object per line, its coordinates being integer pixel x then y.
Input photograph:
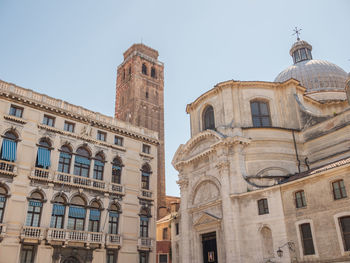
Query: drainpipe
{"type": "Point", "coordinates": [296, 151]}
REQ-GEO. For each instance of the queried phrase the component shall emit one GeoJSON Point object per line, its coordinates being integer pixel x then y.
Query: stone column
{"type": "Point", "coordinates": [185, 251]}
{"type": "Point", "coordinates": [223, 167]}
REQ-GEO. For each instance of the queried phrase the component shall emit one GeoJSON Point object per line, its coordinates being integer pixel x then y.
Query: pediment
{"type": "Point", "coordinates": [207, 219]}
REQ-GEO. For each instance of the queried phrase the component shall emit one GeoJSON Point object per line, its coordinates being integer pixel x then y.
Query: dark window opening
{"type": "Point", "coordinates": [263, 206]}
{"type": "Point", "coordinates": [260, 114]}
{"type": "Point", "coordinates": [144, 69]}
{"type": "Point", "coordinates": [306, 236]}
{"type": "Point", "coordinates": [208, 118]}
{"type": "Point", "coordinates": [153, 72]}
{"type": "Point", "coordinates": [345, 227]}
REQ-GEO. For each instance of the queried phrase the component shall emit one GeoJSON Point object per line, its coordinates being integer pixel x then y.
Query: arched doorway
{"type": "Point", "coordinates": [71, 260]}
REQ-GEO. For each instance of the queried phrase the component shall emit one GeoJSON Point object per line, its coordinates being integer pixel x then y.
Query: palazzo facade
{"type": "Point", "coordinates": [265, 174]}
{"type": "Point", "coordinates": [75, 185]}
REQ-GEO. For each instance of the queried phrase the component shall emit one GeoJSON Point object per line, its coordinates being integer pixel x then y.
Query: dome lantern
{"type": "Point", "coordinates": [300, 51]}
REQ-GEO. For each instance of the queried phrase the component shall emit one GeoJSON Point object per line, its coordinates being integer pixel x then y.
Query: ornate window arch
{"type": "Point", "coordinates": [208, 119]}
{"type": "Point", "coordinates": [77, 213]}
{"type": "Point", "coordinates": [58, 211]}
{"type": "Point", "coordinates": [95, 216]}
{"type": "Point", "coordinates": [113, 222]}
{"type": "Point", "coordinates": [9, 147]}
{"type": "Point", "coordinates": [99, 166]}
{"type": "Point", "coordinates": [145, 176]}
{"type": "Point", "coordinates": [117, 166]}
{"type": "Point", "coordinates": [43, 159]}
{"type": "Point", "coordinates": [3, 198]}
{"type": "Point", "coordinates": [82, 162]}
{"type": "Point", "coordinates": [35, 205]}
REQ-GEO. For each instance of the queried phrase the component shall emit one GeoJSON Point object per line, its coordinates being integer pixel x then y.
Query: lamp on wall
{"type": "Point", "coordinates": [290, 246]}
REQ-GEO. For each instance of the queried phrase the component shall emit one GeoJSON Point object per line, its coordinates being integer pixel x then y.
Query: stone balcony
{"type": "Point", "coordinates": [145, 243]}
{"type": "Point", "coordinates": [32, 234]}
{"type": "Point", "coordinates": [113, 240]}
{"type": "Point", "coordinates": [72, 180]}
{"type": "Point", "coordinates": [74, 236]}
{"type": "Point", "coordinates": [146, 194]}
{"type": "Point", "coordinates": [2, 231]}
{"type": "Point", "coordinates": [8, 168]}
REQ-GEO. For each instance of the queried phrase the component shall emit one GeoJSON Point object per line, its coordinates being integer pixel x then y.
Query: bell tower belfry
{"type": "Point", "coordinates": [140, 100]}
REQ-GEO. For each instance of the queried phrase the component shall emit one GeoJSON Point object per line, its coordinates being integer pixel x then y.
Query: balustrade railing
{"type": "Point", "coordinates": [116, 187]}
{"type": "Point", "coordinates": [32, 232]}
{"type": "Point", "coordinates": [145, 242]}
{"type": "Point", "coordinates": [74, 235]}
{"type": "Point", "coordinates": [79, 181]}
{"type": "Point", "coordinates": [146, 193]}
{"type": "Point", "coordinates": [8, 167]}
{"type": "Point", "coordinates": [113, 239]}
{"type": "Point", "coordinates": [40, 174]}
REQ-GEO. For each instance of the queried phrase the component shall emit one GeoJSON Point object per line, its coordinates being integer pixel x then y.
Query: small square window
{"type": "Point", "coordinates": [118, 140]}
{"type": "Point", "coordinates": [49, 120]}
{"type": "Point", "coordinates": [146, 148]}
{"type": "Point", "coordinates": [263, 206]}
{"type": "Point", "coordinates": [16, 111]}
{"type": "Point", "coordinates": [101, 136]}
{"type": "Point", "coordinates": [68, 126]}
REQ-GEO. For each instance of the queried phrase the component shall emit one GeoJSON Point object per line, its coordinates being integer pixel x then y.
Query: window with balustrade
{"type": "Point", "coordinates": [113, 222]}
{"type": "Point", "coordinates": [58, 212]}
{"type": "Point", "coordinates": [82, 162]}
{"type": "Point", "coordinates": [98, 167]}
{"type": "Point", "coordinates": [35, 205]}
{"type": "Point", "coordinates": [9, 147]}
{"type": "Point", "coordinates": [145, 176]}
{"type": "Point", "coordinates": [117, 166]}
{"type": "Point", "coordinates": [94, 218]}
{"type": "Point", "coordinates": [43, 158]}
{"type": "Point", "coordinates": [77, 213]}
{"type": "Point", "coordinates": [3, 197]}
{"type": "Point", "coordinates": [65, 159]}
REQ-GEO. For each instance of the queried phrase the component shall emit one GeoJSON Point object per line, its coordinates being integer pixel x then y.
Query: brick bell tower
{"type": "Point", "coordinates": [140, 101]}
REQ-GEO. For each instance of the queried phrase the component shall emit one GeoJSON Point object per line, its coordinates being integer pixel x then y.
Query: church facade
{"type": "Point", "coordinates": [265, 174]}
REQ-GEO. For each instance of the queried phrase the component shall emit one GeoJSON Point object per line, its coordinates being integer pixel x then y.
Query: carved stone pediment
{"type": "Point", "coordinates": [207, 220]}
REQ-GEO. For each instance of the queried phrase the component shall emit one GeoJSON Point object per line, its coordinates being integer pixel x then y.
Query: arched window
{"type": "Point", "coordinates": [145, 174]}
{"type": "Point", "coordinates": [114, 212]}
{"type": "Point", "coordinates": [260, 113]}
{"type": "Point", "coordinates": [267, 242]}
{"type": "Point", "coordinates": [44, 154]}
{"type": "Point", "coordinates": [144, 69]}
{"type": "Point", "coordinates": [144, 222]}
{"type": "Point", "coordinates": [208, 118]}
{"type": "Point", "coordinates": [94, 219]}
{"type": "Point", "coordinates": [345, 229]}
{"type": "Point", "coordinates": [153, 72]}
{"type": "Point", "coordinates": [77, 213]}
{"type": "Point", "coordinates": [34, 209]}
{"type": "Point", "coordinates": [82, 162]}
{"type": "Point", "coordinates": [65, 160]}
{"type": "Point", "coordinates": [8, 148]}
{"type": "Point", "coordinates": [98, 167]}
{"type": "Point", "coordinates": [3, 195]}
{"type": "Point", "coordinates": [117, 170]}
{"type": "Point", "coordinates": [58, 211]}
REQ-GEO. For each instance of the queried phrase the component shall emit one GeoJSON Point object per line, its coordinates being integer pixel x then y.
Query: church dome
{"type": "Point", "coordinates": [323, 80]}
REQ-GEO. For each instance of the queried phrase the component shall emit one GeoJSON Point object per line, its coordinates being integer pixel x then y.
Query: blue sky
{"type": "Point", "coordinates": [71, 49]}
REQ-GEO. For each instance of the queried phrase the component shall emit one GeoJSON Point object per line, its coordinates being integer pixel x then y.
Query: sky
{"type": "Point", "coordinates": [70, 50]}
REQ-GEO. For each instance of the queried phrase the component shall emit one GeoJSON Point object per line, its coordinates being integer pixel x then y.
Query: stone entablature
{"type": "Point", "coordinates": [46, 103]}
